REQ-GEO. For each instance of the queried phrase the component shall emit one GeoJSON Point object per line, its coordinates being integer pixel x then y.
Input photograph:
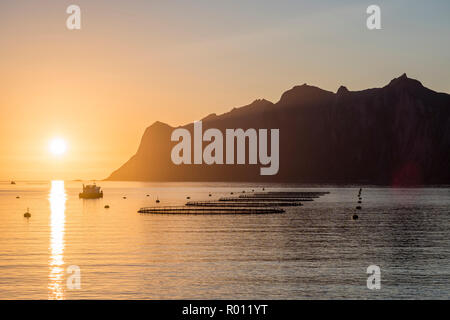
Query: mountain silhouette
{"type": "Point", "coordinates": [395, 135]}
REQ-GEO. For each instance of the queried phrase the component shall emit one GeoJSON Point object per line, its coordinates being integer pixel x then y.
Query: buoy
{"type": "Point", "coordinates": [27, 214]}
{"type": "Point", "coordinates": [124, 197]}
{"type": "Point", "coordinates": [231, 192]}
{"type": "Point", "coordinates": [210, 194]}
{"type": "Point", "coordinates": [264, 189]}
{"type": "Point", "coordinates": [148, 195]}
{"type": "Point", "coordinates": [106, 207]}
{"type": "Point", "coordinates": [188, 198]}
{"type": "Point", "coordinates": [355, 217]}
{"type": "Point", "coordinates": [359, 201]}
{"type": "Point", "coordinates": [157, 200]}
{"type": "Point", "coordinates": [17, 197]}
{"type": "Point", "coordinates": [358, 207]}
{"type": "Point", "coordinates": [243, 191]}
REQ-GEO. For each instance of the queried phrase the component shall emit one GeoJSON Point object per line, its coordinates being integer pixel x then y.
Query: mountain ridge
{"type": "Point", "coordinates": [398, 134]}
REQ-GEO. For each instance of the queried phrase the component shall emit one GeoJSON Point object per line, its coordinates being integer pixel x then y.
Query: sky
{"type": "Point", "coordinates": [136, 62]}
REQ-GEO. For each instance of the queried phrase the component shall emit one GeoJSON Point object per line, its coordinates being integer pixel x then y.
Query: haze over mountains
{"type": "Point", "coordinates": [395, 135]}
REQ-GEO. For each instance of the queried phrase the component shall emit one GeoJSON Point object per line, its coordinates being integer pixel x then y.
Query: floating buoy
{"type": "Point", "coordinates": [264, 189]}
{"type": "Point", "coordinates": [17, 197]}
{"type": "Point", "coordinates": [243, 191]}
{"type": "Point", "coordinates": [355, 217]}
{"type": "Point", "coordinates": [124, 197]}
{"type": "Point", "coordinates": [188, 198]}
{"type": "Point", "coordinates": [148, 195]}
{"type": "Point", "coordinates": [231, 192]}
{"type": "Point", "coordinates": [210, 194]}
{"type": "Point", "coordinates": [358, 207]}
{"type": "Point", "coordinates": [27, 214]}
{"type": "Point", "coordinates": [106, 206]}
{"type": "Point", "coordinates": [157, 200]}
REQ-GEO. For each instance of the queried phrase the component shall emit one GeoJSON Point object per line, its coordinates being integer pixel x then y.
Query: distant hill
{"type": "Point", "coordinates": [395, 135]}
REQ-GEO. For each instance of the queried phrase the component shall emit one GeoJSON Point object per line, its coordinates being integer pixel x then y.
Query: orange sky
{"type": "Point", "coordinates": [136, 62]}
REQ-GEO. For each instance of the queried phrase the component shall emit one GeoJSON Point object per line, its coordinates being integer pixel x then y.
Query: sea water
{"type": "Point", "coordinates": [316, 251]}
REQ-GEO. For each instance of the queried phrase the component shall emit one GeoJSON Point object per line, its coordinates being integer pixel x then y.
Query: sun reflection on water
{"type": "Point", "coordinates": [57, 198]}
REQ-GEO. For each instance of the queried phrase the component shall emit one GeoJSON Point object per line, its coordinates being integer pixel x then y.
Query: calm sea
{"type": "Point", "coordinates": [314, 251]}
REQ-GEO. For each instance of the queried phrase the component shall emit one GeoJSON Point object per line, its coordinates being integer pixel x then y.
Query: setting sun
{"type": "Point", "coordinates": [57, 146]}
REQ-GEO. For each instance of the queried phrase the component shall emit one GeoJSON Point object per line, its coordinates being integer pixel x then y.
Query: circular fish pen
{"type": "Point", "coordinates": [308, 196]}
{"type": "Point", "coordinates": [249, 199]}
{"type": "Point", "coordinates": [224, 204]}
{"type": "Point", "coordinates": [197, 210]}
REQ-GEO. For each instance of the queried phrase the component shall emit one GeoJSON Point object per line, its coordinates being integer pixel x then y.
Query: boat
{"type": "Point", "coordinates": [91, 191]}
{"type": "Point", "coordinates": [13, 182]}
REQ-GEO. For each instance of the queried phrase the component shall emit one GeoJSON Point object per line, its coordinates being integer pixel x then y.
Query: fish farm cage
{"type": "Point", "coordinates": [191, 210]}
{"type": "Point", "coordinates": [242, 204]}
{"type": "Point", "coordinates": [248, 199]}
{"type": "Point", "coordinates": [254, 203]}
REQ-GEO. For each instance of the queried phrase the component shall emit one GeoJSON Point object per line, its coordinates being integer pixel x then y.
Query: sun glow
{"type": "Point", "coordinates": [57, 146]}
{"type": "Point", "coordinates": [57, 198]}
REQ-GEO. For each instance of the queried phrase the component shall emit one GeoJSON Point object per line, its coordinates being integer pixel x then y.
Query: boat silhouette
{"type": "Point", "coordinates": [91, 191]}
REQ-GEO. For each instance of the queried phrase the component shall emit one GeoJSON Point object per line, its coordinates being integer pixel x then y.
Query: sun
{"type": "Point", "coordinates": [57, 146]}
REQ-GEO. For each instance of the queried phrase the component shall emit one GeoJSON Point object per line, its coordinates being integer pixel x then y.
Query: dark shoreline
{"type": "Point", "coordinates": [289, 184]}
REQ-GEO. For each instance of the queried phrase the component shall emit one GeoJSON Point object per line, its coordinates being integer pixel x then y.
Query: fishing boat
{"type": "Point", "coordinates": [91, 191]}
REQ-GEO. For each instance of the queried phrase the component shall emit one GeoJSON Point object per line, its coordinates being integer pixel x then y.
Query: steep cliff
{"type": "Point", "coordinates": [395, 135]}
